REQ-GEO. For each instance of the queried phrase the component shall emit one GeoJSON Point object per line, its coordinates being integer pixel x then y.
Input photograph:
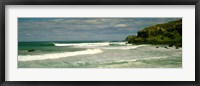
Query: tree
{"type": "Point", "coordinates": [167, 33]}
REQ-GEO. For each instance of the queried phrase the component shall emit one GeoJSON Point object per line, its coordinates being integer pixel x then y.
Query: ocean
{"type": "Point", "coordinates": [96, 54]}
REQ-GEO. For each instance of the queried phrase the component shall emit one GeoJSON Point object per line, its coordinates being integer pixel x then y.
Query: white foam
{"type": "Point", "coordinates": [118, 43]}
{"type": "Point", "coordinates": [133, 60]}
{"type": "Point", "coordinates": [92, 44]}
{"type": "Point", "coordinates": [58, 55]}
{"type": "Point", "coordinates": [83, 44]}
{"type": "Point", "coordinates": [124, 47]}
{"type": "Point", "coordinates": [127, 60]}
{"type": "Point", "coordinates": [155, 58]}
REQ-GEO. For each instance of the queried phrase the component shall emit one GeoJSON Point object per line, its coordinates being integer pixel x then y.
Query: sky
{"type": "Point", "coordinates": [82, 29]}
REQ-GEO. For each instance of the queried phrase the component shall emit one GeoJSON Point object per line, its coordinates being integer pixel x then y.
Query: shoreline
{"type": "Point", "coordinates": [141, 57]}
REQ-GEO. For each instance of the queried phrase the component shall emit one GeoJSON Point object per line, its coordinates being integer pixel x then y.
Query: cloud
{"type": "Point", "coordinates": [48, 29]}
{"type": "Point", "coordinates": [121, 25]}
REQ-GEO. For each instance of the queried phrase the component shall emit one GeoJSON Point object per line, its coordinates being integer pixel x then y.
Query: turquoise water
{"type": "Point", "coordinates": [96, 54]}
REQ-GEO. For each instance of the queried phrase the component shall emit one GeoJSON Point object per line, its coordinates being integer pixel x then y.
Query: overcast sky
{"type": "Point", "coordinates": [82, 29]}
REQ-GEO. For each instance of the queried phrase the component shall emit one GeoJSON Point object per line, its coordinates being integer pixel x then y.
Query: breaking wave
{"type": "Point", "coordinates": [82, 44]}
{"type": "Point", "coordinates": [58, 55]}
{"type": "Point", "coordinates": [91, 44]}
{"type": "Point", "coordinates": [124, 47]}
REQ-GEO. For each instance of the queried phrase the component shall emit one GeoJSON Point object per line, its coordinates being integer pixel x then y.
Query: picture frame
{"type": "Point", "coordinates": [98, 2]}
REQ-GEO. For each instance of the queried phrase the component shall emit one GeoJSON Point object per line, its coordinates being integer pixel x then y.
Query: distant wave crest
{"type": "Point", "coordinates": [82, 44]}
{"type": "Point", "coordinates": [124, 47]}
{"type": "Point", "coordinates": [90, 44]}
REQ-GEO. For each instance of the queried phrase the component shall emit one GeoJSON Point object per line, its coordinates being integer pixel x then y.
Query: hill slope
{"type": "Point", "coordinates": [167, 33]}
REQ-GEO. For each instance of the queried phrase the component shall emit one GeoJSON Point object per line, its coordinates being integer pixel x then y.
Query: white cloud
{"type": "Point", "coordinates": [121, 25]}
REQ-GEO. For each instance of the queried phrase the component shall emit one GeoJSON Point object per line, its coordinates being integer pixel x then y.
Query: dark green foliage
{"type": "Point", "coordinates": [168, 33]}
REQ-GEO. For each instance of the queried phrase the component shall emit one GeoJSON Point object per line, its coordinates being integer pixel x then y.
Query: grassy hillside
{"type": "Point", "coordinates": [168, 33]}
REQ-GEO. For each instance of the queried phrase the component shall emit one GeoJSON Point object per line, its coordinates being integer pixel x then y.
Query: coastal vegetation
{"type": "Point", "coordinates": [167, 33]}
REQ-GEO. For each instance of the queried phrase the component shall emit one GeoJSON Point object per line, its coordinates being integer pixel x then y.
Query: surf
{"type": "Point", "coordinates": [124, 47]}
{"type": "Point", "coordinates": [58, 55]}
{"type": "Point", "coordinates": [82, 44]}
{"type": "Point", "coordinates": [92, 44]}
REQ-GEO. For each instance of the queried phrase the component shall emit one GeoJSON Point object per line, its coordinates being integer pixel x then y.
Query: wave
{"type": "Point", "coordinates": [35, 44]}
{"type": "Point", "coordinates": [91, 44]}
{"type": "Point", "coordinates": [58, 55]}
{"type": "Point", "coordinates": [82, 44]}
{"type": "Point", "coordinates": [118, 43]}
{"type": "Point", "coordinates": [124, 47]}
{"type": "Point", "coordinates": [141, 59]}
